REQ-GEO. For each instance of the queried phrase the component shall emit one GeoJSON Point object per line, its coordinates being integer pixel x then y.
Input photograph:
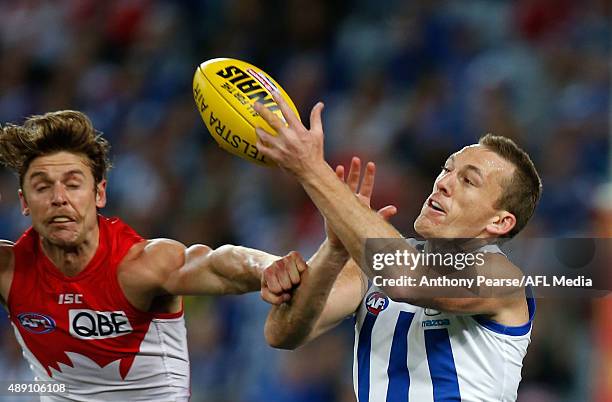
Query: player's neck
{"type": "Point", "coordinates": [70, 261]}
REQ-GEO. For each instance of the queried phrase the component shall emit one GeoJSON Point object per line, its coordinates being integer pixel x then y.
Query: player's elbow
{"type": "Point", "coordinates": [224, 252]}
{"type": "Point", "coordinates": [281, 343]}
{"type": "Point", "coordinates": [279, 339]}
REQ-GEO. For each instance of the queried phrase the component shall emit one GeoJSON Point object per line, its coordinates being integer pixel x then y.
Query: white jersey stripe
{"type": "Point", "coordinates": [407, 353]}
{"type": "Point", "coordinates": [379, 380]}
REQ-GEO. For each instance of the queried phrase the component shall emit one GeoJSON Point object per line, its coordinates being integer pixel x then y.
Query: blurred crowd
{"type": "Point", "coordinates": [405, 84]}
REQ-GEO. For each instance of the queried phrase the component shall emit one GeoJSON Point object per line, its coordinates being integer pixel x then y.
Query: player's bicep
{"type": "Point", "coordinates": [468, 306]}
{"type": "Point", "coordinates": [484, 299]}
{"type": "Point", "coordinates": [192, 272]}
{"type": "Point", "coordinates": [343, 300]}
{"type": "Point", "coordinates": [225, 270]}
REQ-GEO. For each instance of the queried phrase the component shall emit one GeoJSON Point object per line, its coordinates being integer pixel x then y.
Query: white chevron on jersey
{"type": "Point", "coordinates": [160, 371]}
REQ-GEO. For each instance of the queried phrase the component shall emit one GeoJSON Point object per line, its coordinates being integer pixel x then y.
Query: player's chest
{"type": "Point", "coordinates": [386, 318]}
{"type": "Point", "coordinates": [84, 312]}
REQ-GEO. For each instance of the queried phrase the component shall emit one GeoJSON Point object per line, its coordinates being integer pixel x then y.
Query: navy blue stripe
{"type": "Point", "coordinates": [363, 358]}
{"type": "Point", "coordinates": [519, 330]}
{"type": "Point", "coordinates": [442, 366]}
{"type": "Point", "coordinates": [399, 378]}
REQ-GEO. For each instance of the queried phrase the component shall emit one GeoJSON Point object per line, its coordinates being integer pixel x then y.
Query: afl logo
{"type": "Point", "coordinates": [376, 302]}
{"type": "Point", "coordinates": [36, 323]}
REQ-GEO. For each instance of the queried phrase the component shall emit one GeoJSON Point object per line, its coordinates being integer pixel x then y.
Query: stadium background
{"type": "Point", "coordinates": [405, 84]}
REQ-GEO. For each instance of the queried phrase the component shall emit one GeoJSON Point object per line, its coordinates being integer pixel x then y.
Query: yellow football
{"type": "Point", "coordinates": [225, 91]}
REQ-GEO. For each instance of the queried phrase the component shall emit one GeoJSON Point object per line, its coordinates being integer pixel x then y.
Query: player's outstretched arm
{"type": "Point", "coordinates": [300, 151]}
{"type": "Point", "coordinates": [178, 270]}
{"type": "Point", "coordinates": [331, 288]}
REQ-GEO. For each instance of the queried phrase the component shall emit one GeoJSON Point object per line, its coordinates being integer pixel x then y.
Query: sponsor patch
{"type": "Point", "coordinates": [90, 324]}
{"type": "Point", "coordinates": [36, 323]}
{"type": "Point", "coordinates": [376, 302]}
{"type": "Point", "coordinates": [435, 323]}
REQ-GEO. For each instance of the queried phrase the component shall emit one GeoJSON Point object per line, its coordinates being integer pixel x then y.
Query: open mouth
{"type": "Point", "coordinates": [435, 206]}
{"type": "Point", "coordinates": [61, 219]}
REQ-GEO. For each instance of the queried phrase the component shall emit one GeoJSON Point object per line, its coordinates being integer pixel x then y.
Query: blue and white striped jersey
{"type": "Point", "coordinates": [408, 353]}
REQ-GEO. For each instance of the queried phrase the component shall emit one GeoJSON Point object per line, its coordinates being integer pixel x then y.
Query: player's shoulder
{"type": "Point", "coordinates": [499, 264]}
{"type": "Point", "coordinates": [7, 267]}
{"type": "Point", "coordinates": [6, 244]}
{"type": "Point", "coordinates": [6, 254]}
{"type": "Point", "coordinates": [149, 262]}
{"type": "Point", "coordinates": [154, 253]}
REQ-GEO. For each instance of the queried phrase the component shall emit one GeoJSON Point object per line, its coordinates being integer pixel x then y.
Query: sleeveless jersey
{"type": "Point", "coordinates": [82, 330]}
{"type": "Point", "coordinates": [409, 353]}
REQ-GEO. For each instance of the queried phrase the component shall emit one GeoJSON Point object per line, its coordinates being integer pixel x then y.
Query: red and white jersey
{"type": "Point", "coordinates": [82, 330]}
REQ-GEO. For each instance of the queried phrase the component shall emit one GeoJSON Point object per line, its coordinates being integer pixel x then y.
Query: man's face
{"type": "Point", "coordinates": [461, 204]}
{"type": "Point", "coordinates": [60, 195]}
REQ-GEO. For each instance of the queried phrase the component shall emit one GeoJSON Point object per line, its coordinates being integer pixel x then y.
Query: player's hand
{"type": "Point", "coordinates": [281, 277]}
{"type": "Point", "coordinates": [364, 194]}
{"type": "Point", "coordinates": [295, 147]}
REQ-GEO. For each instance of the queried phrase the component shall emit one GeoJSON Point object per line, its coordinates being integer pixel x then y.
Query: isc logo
{"type": "Point", "coordinates": [376, 302]}
{"type": "Point", "coordinates": [70, 298]}
{"type": "Point", "coordinates": [90, 324]}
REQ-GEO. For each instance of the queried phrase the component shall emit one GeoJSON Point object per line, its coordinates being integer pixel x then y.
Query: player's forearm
{"type": "Point", "coordinates": [352, 221]}
{"type": "Point", "coordinates": [289, 324]}
{"type": "Point", "coordinates": [240, 268]}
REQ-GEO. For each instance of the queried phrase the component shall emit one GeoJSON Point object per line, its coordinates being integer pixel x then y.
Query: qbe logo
{"type": "Point", "coordinates": [376, 302]}
{"type": "Point", "coordinates": [36, 323]}
{"type": "Point", "coordinates": [90, 324]}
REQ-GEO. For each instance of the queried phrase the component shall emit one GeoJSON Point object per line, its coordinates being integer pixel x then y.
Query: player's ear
{"type": "Point", "coordinates": [101, 194]}
{"type": "Point", "coordinates": [25, 210]}
{"type": "Point", "coordinates": [501, 223]}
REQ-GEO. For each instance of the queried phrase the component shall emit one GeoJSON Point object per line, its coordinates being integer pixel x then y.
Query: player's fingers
{"type": "Point", "coordinates": [272, 281]}
{"type": "Point", "coordinates": [283, 297]}
{"type": "Point", "coordinates": [301, 265]}
{"type": "Point", "coordinates": [292, 267]}
{"type": "Point", "coordinates": [292, 120]}
{"type": "Point", "coordinates": [340, 172]}
{"type": "Point", "coordinates": [268, 116]}
{"type": "Point", "coordinates": [367, 185]}
{"type": "Point", "coordinates": [267, 144]}
{"type": "Point", "coordinates": [294, 274]}
{"type": "Point", "coordinates": [354, 173]}
{"type": "Point", "coordinates": [388, 211]}
{"type": "Point", "coordinates": [272, 298]}
{"type": "Point", "coordinates": [315, 117]}
{"type": "Point", "coordinates": [299, 262]}
{"type": "Point", "coordinates": [266, 137]}
{"type": "Point", "coordinates": [283, 276]}
{"type": "Point", "coordinates": [266, 151]}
